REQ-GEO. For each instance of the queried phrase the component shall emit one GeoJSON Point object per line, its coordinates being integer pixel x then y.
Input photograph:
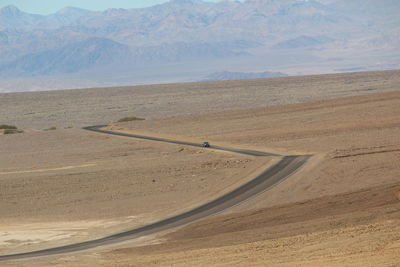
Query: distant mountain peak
{"type": "Point", "coordinates": [70, 9]}
{"type": "Point", "coordinates": [186, 2]}
{"type": "Point", "coordinates": [10, 10]}
{"type": "Point", "coordinates": [115, 11]}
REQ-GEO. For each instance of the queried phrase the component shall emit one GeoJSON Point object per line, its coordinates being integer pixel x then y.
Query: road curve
{"type": "Point", "coordinates": [255, 153]}
{"type": "Point", "coordinates": [275, 174]}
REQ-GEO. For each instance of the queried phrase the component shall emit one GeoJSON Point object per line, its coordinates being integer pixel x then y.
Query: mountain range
{"type": "Point", "coordinates": [186, 40]}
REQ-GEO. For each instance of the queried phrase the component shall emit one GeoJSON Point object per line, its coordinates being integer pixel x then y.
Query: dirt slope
{"type": "Point", "coordinates": [341, 209]}
{"type": "Point", "coordinates": [344, 208]}
{"type": "Point", "coordinates": [79, 108]}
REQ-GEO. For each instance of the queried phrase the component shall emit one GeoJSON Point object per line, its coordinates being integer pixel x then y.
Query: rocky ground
{"type": "Point", "coordinates": [343, 208]}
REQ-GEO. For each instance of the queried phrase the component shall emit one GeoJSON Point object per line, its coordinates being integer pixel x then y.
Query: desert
{"type": "Point", "coordinates": [61, 184]}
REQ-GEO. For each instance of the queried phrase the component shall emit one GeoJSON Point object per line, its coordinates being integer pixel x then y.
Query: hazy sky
{"type": "Point", "coordinates": [51, 6]}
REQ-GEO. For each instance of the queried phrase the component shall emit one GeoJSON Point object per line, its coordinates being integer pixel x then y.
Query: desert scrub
{"type": "Point", "coordinates": [130, 119]}
{"type": "Point", "coordinates": [51, 128]}
{"type": "Point", "coordinates": [8, 127]}
{"type": "Point", "coordinates": [12, 131]}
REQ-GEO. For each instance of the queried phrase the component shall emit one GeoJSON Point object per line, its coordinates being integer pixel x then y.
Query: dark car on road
{"type": "Point", "coordinates": [205, 144]}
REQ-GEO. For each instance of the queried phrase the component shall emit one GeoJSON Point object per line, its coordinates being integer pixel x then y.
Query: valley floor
{"type": "Point", "coordinates": [343, 208]}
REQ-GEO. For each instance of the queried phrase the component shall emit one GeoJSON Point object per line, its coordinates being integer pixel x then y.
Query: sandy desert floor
{"type": "Point", "coordinates": [57, 185]}
{"type": "Point", "coordinates": [77, 108]}
{"type": "Point", "coordinates": [343, 208]}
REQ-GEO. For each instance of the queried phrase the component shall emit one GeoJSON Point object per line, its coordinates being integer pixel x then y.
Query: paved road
{"type": "Point", "coordinates": [280, 171]}
{"type": "Point", "coordinates": [255, 153]}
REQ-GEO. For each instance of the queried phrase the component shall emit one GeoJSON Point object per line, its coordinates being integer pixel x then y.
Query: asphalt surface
{"type": "Point", "coordinates": [255, 153]}
{"type": "Point", "coordinates": [270, 177]}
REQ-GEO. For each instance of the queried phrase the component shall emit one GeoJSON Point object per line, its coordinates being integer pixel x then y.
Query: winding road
{"type": "Point", "coordinates": [270, 177]}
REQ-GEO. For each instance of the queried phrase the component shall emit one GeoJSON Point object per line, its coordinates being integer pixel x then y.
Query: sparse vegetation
{"type": "Point", "coordinates": [51, 128]}
{"type": "Point", "coordinates": [8, 127]}
{"type": "Point", "coordinates": [133, 118]}
{"type": "Point", "coordinates": [12, 131]}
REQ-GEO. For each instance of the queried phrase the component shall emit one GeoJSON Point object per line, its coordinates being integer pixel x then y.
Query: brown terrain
{"type": "Point", "coordinates": [341, 209]}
